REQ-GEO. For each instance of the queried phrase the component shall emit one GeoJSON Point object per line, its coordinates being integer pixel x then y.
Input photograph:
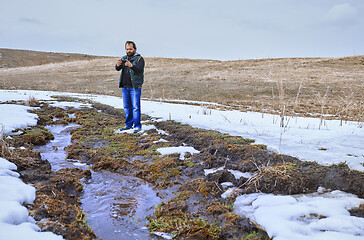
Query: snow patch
{"type": "Point", "coordinates": [67, 105]}
{"type": "Point", "coordinates": [181, 150]}
{"type": "Point", "coordinates": [237, 174]}
{"type": "Point", "coordinates": [229, 192]}
{"type": "Point", "coordinates": [15, 223]}
{"type": "Point", "coordinates": [15, 116]}
{"type": "Point", "coordinates": [160, 140]}
{"type": "Point", "coordinates": [313, 216]}
{"type": "Point", "coordinates": [163, 235]}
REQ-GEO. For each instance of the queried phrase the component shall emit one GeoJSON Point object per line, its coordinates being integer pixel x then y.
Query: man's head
{"type": "Point", "coordinates": [130, 48]}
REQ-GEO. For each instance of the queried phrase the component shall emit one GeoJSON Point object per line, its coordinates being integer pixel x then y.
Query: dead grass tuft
{"type": "Point", "coordinates": [32, 102]}
{"type": "Point", "coordinates": [5, 150]}
{"type": "Point", "coordinates": [279, 171]}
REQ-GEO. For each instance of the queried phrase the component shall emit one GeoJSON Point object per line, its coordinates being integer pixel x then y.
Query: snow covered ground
{"type": "Point", "coordinates": [15, 223]}
{"type": "Point", "coordinates": [15, 116]}
{"type": "Point", "coordinates": [323, 215]}
{"type": "Point", "coordinates": [318, 216]}
{"type": "Point", "coordinates": [182, 150]}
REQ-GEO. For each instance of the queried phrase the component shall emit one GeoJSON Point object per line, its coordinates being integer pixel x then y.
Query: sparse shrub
{"type": "Point", "coordinates": [32, 102]}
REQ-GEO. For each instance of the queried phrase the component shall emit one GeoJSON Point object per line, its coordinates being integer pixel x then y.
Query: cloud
{"type": "Point", "coordinates": [30, 20]}
{"type": "Point", "coordinates": [341, 14]}
{"type": "Point", "coordinates": [188, 29]}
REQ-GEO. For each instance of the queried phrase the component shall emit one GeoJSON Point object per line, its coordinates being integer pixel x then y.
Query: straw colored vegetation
{"type": "Point", "coordinates": [322, 87]}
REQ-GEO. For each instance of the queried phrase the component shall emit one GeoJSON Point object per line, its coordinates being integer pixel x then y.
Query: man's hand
{"type": "Point", "coordinates": [119, 62]}
{"type": "Point", "coordinates": [128, 63]}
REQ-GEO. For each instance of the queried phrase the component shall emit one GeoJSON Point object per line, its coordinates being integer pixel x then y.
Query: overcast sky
{"type": "Point", "coordinates": [224, 30]}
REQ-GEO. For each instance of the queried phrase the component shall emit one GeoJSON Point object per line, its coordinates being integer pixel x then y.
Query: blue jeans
{"type": "Point", "coordinates": [131, 101]}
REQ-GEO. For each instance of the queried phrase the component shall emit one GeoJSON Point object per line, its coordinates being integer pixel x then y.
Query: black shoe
{"type": "Point", "coordinates": [124, 128]}
{"type": "Point", "coordinates": [136, 130]}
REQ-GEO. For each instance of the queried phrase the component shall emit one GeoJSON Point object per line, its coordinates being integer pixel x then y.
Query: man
{"type": "Point", "coordinates": [131, 81]}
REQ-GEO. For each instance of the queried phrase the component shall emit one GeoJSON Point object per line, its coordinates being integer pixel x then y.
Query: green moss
{"type": "Point", "coordinates": [183, 195]}
{"type": "Point", "coordinates": [117, 148]}
{"type": "Point", "coordinates": [40, 131]}
{"type": "Point", "coordinates": [342, 165]}
{"type": "Point", "coordinates": [185, 226]}
{"type": "Point", "coordinates": [34, 136]}
{"type": "Point", "coordinates": [256, 236]}
{"type": "Point", "coordinates": [81, 218]}
{"type": "Point", "coordinates": [260, 146]}
{"type": "Point", "coordinates": [161, 169]}
{"type": "Point", "coordinates": [189, 164]}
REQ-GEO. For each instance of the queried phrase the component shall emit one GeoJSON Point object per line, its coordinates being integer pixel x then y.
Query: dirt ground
{"type": "Point", "coordinates": [196, 210]}
{"type": "Point", "coordinates": [319, 87]}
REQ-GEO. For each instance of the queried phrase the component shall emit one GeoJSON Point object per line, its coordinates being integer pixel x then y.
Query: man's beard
{"type": "Point", "coordinates": [131, 54]}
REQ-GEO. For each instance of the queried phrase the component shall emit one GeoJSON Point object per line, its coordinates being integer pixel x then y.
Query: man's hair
{"type": "Point", "coordinates": [131, 42]}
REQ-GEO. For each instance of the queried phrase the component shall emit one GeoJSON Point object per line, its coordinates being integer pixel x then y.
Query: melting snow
{"type": "Point", "coordinates": [181, 150]}
{"type": "Point", "coordinates": [66, 105]}
{"type": "Point", "coordinates": [237, 174]}
{"type": "Point", "coordinates": [15, 116]}
{"type": "Point", "coordinates": [15, 223]}
{"type": "Point", "coordinates": [313, 216]}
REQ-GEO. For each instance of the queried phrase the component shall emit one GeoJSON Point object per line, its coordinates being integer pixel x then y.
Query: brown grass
{"type": "Point", "coordinates": [5, 150]}
{"type": "Point", "coordinates": [297, 86]}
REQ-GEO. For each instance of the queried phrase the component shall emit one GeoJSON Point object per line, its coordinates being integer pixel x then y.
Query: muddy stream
{"type": "Point", "coordinates": [116, 205]}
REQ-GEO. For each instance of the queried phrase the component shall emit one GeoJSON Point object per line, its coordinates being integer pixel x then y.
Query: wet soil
{"type": "Point", "coordinates": [192, 206]}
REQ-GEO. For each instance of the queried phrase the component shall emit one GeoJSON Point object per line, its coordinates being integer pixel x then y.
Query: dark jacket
{"type": "Point", "coordinates": [136, 72]}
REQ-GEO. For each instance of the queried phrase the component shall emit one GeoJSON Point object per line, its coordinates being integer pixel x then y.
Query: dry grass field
{"type": "Point", "coordinates": [321, 87]}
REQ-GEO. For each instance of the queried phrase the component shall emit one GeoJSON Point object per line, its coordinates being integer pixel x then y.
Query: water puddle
{"type": "Point", "coordinates": [54, 150]}
{"type": "Point", "coordinates": [116, 205]}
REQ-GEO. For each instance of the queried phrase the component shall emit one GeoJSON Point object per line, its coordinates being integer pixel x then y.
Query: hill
{"type": "Point", "coordinates": [10, 58]}
{"type": "Point", "coordinates": [320, 87]}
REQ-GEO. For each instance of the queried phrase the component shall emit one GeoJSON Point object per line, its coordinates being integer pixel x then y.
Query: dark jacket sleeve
{"type": "Point", "coordinates": [118, 68]}
{"type": "Point", "coordinates": [139, 67]}
{"type": "Point", "coordinates": [121, 66]}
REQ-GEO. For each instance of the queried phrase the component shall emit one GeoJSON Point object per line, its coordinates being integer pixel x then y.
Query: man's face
{"type": "Point", "coordinates": [130, 51]}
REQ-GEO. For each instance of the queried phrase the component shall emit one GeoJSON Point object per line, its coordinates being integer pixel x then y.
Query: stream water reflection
{"type": "Point", "coordinates": [116, 205]}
